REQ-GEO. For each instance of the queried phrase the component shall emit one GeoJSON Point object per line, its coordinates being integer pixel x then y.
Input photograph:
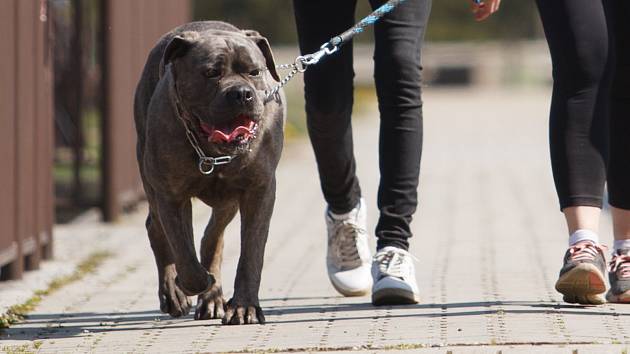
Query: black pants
{"type": "Point", "coordinates": [589, 135]}
{"type": "Point", "coordinates": [328, 93]}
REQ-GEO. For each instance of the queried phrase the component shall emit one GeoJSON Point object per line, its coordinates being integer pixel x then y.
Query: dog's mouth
{"type": "Point", "coordinates": [239, 131]}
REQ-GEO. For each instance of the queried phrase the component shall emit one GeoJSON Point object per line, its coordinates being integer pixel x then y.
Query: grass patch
{"type": "Point", "coordinates": [17, 313]}
{"type": "Point", "coordinates": [333, 349]}
{"type": "Point", "coordinates": [31, 348]}
{"type": "Point", "coordinates": [63, 172]}
{"type": "Point", "coordinates": [18, 349]}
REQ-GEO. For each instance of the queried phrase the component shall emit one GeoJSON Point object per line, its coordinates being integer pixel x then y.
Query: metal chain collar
{"type": "Point", "coordinates": [206, 163]}
{"type": "Point", "coordinates": [299, 65]}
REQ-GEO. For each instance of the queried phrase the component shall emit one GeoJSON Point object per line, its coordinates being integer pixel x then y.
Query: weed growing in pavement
{"type": "Point", "coordinates": [17, 313]}
{"type": "Point", "coordinates": [23, 349]}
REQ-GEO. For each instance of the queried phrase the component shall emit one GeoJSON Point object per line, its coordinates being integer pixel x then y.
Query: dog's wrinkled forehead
{"type": "Point", "coordinates": [245, 47]}
{"type": "Point", "coordinates": [221, 47]}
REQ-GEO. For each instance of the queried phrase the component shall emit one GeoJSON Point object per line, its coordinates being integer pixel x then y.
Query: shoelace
{"type": "Point", "coordinates": [393, 263]}
{"type": "Point", "coordinates": [586, 251]}
{"type": "Point", "coordinates": [620, 264]}
{"type": "Point", "coordinates": [345, 249]}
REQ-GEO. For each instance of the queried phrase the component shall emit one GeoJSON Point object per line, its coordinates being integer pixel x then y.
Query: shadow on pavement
{"type": "Point", "coordinates": [61, 325]}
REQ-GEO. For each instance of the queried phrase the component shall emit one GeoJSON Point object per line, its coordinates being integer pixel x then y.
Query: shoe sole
{"type": "Point", "coordinates": [350, 293]}
{"type": "Point", "coordinates": [394, 296]}
{"type": "Point", "coordinates": [623, 298]}
{"type": "Point", "coordinates": [583, 284]}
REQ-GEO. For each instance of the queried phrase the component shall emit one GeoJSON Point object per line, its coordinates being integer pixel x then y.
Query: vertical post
{"type": "Point", "coordinates": [44, 205]}
{"type": "Point", "coordinates": [106, 174]}
{"type": "Point", "coordinates": [76, 109]}
{"type": "Point", "coordinates": [25, 126]}
{"type": "Point", "coordinates": [8, 215]}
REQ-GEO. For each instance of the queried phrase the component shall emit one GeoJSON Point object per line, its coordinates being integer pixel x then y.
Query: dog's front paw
{"type": "Point", "coordinates": [210, 304]}
{"type": "Point", "coordinates": [172, 299]}
{"type": "Point", "coordinates": [237, 313]}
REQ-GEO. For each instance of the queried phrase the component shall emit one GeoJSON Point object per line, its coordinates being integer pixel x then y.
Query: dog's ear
{"type": "Point", "coordinates": [263, 44]}
{"type": "Point", "coordinates": [177, 47]}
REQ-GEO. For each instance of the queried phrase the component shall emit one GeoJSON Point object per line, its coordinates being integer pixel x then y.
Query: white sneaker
{"type": "Point", "coordinates": [394, 278]}
{"type": "Point", "coordinates": [348, 256]}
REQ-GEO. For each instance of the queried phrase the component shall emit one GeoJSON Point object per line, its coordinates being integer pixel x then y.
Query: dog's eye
{"type": "Point", "coordinates": [255, 72]}
{"type": "Point", "coordinates": [212, 73]}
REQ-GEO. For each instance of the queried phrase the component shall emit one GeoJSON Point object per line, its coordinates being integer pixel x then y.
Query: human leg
{"type": "Point", "coordinates": [577, 33]}
{"type": "Point", "coordinates": [328, 92]}
{"type": "Point", "coordinates": [619, 163]}
{"type": "Point", "coordinates": [397, 74]}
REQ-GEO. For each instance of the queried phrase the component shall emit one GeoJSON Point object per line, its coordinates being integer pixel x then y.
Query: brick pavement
{"type": "Point", "coordinates": [489, 241]}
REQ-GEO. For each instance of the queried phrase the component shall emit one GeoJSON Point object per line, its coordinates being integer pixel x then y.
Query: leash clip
{"type": "Point", "coordinates": [303, 61]}
{"type": "Point", "coordinates": [326, 47]}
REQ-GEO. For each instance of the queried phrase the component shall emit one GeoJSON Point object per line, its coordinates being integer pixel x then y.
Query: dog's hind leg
{"type": "Point", "coordinates": [172, 299]}
{"type": "Point", "coordinates": [256, 208]}
{"type": "Point", "coordinates": [210, 304]}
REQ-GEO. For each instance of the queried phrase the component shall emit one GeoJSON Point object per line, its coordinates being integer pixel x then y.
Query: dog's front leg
{"type": "Point", "coordinates": [176, 219]}
{"type": "Point", "coordinates": [172, 299]}
{"type": "Point", "coordinates": [256, 208]}
{"type": "Point", "coordinates": [211, 303]}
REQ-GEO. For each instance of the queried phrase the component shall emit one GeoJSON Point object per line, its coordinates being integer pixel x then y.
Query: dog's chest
{"type": "Point", "coordinates": [220, 188]}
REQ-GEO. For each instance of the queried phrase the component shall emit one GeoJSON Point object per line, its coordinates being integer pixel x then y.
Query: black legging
{"type": "Point", "coordinates": [589, 132]}
{"type": "Point", "coordinates": [328, 93]}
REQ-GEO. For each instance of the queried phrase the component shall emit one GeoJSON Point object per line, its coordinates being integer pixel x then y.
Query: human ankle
{"type": "Point", "coordinates": [582, 235]}
{"type": "Point", "coordinates": [621, 244]}
{"type": "Point", "coordinates": [348, 214]}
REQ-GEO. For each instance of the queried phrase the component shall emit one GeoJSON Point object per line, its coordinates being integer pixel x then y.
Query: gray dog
{"type": "Point", "coordinates": [206, 129]}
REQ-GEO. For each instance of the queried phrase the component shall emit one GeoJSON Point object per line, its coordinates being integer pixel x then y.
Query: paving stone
{"type": "Point", "coordinates": [489, 240]}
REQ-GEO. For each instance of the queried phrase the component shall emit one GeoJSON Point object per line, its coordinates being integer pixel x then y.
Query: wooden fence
{"type": "Point", "coordinates": [26, 139]}
{"type": "Point", "coordinates": [130, 29]}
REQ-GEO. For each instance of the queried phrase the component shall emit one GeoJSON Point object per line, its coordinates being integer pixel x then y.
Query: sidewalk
{"type": "Point", "coordinates": [489, 239]}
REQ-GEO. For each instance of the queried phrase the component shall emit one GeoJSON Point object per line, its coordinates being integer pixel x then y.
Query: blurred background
{"type": "Point", "coordinates": [67, 93]}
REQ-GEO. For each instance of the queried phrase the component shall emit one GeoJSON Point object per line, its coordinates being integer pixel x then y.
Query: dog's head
{"type": "Point", "coordinates": [221, 78]}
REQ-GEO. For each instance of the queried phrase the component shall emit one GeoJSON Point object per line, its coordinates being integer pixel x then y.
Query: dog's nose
{"type": "Point", "coordinates": [240, 95]}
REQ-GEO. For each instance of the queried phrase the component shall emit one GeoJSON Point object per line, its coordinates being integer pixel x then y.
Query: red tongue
{"type": "Point", "coordinates": [217, 136]}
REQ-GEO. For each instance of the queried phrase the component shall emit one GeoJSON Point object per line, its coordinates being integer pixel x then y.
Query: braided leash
{"type": "Point", "coordinates": [302, 62]}
{"type": "Point", "coordinates": [367, 21]}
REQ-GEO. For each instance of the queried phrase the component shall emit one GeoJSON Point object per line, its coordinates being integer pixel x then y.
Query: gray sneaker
{"type": "Point", "coordinates": [581, 278]}
{"type": "Point", "coordinates": [348, 256]}
{"type": "Point", "coordinates": [619, 277]}
{"type": "Point", "coordinates": [394, 278]}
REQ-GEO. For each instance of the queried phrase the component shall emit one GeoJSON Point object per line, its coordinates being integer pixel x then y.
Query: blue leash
{"type": "Point", "coordinates": [302, 62]}
{"type": "Point", "coordinates": [336, 42]}
{"type": "Point", "coordinates": [367, 21]}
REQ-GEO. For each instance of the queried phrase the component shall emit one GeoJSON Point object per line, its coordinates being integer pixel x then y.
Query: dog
{"type": "Point", "coordinates": [207, 129]}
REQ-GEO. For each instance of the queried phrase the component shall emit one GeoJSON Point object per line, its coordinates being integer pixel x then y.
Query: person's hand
{"type": "Point", "coordinates": [484, 9]}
